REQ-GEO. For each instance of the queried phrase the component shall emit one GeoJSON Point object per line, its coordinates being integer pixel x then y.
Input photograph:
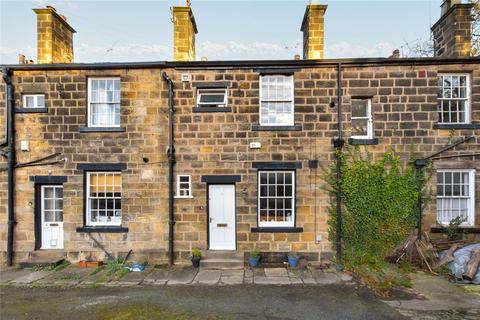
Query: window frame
{"type": "Point", "coordinates": [88, 213]}
{"type": "Point", "coordinates": [35, 100]}
{"type": "Point", "coordinates": [467, 99]}
{"type": "Point", "coordinates": [89, 103]}
{"type": "Point", "coordinates": [291, 77]}
{"type": "Point", "coordinates": [275, 224]}
{"type": "Point", "coordinates": [471, 190]}
{"type": "Point", "coordinates": [369, 119]}
{"type": "Point", "coordinates": [215, 105]}
{"type": "Point", "coordinates": [190, 195]}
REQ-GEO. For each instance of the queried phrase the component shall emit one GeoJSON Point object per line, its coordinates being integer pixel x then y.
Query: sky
{"type": "Point", "coordinates": [126, 30]}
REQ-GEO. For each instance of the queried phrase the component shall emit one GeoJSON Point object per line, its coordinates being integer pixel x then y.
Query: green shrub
{"type": "Point", "coordinates": [379, 199]}
{"type": "Point", "coordinates": [196, 253]}
{"type": "Point", "coordinates": [454, 232]}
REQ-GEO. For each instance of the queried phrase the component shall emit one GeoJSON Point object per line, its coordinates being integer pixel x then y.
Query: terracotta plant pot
{"type": "Point", "coordinates": [89, 264]}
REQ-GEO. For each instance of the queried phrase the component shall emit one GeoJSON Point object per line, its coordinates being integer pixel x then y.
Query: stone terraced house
{"type": "Point", "coordinates": [89, 163]}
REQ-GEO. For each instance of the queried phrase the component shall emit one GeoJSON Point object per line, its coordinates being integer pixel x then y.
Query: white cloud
{"type": "Point", "coordinates": [345, 49]}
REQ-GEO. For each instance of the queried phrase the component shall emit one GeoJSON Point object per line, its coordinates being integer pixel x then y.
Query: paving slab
{"type": "Point", "coordinates": [208, 277]}
{"type": "Point", "coordinates": [272, 280]}
{"type": "Point", "coordinates": [248, 276]}
{"type": "Point", "coordinates": [233, 273]}
{"type": "Point", "coordinates": [258, 272]}
{"type": "Point", "coordinates": [8, 275]}
{"type": "Point", "coordinates": [95, 275]}
{"type": "Point", "coordinates": [31, 277]}
{"type": "Point", "coordinates": [181, 276]}
{"type": "Point", "coordinates": [276, 272]}
{"type": "Point", "coordinates": [132, 278]}
{"type": "Point", "coordinates": [68, 276]}
{"type": "Point", "coordinates": [325, 278]}
{"type": "Point", "coordinates": [157, 277]}
{"type": "Point", "coordinates": [231, 280]}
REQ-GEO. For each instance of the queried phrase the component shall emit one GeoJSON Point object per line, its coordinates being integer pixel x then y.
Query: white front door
{"type": "Point", "coordinates": [221, 208]}
{"type": "Point", "coordinates": [52, 217]}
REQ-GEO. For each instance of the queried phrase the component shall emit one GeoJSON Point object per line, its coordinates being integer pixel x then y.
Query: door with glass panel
{"type": "Point", "coordinates": [52, 216]}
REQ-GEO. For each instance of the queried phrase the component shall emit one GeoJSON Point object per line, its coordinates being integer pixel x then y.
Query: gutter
{"type": "Point", "coordinates": [247, 64]}
{"type": "Point", "coordinates": [171, 164]}
{"type": "Point", "coordinates": [9, 101]}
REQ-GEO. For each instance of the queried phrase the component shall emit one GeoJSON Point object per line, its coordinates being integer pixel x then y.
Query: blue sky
{"type": "Point", "coordinates": [228, 30]}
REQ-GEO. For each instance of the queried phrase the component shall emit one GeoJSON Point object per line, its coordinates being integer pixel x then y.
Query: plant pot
{"type": "Point", "coordinates": [293, 261]}
{"type": "Point", "coordinates": [89, 264]}
{"type": "Point", "coordinates": [196, 262]}
{"type": "Point", "coordinates": [253, 262]}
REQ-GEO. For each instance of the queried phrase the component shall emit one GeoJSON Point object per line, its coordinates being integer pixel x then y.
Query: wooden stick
{"type": "Point", "coordinates": [448, 257]}
{"type": "Point", "coordinates": [472, 265]}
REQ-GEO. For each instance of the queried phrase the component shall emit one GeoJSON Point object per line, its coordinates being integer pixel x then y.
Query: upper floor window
{"type": "Point", "coordinates": [362, 123]}
{"type": "Point", "coordinates": [215, 97]}
{"type": "Point", "coordinates": [276, 100]}
{"type": "Point", "coordinates": [104, 102]}
{"type": "Point", "coordinates": [455, 195]}
{"type": "Point", "coordinates": [33, 100]}
{"type": "Point", "coordinates": [104, 198]}
{"type": "Point", "coordinates": [184, 186]}
{"type": "Point", "coordinates": [454, 98]}
{"type": "Point", "coordinates": [276, 198]}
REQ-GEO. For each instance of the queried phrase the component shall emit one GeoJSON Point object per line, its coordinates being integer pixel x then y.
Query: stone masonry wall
{"type": "Point", "coordinates": [404, 110]}
{"type": "Point", "coordinates": [144, 199]}
{"type": "Point", "coordinates": [404, 104]}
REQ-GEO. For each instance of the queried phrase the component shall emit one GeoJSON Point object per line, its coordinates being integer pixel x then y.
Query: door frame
{"type": "Point", "coordinates": [38, 226]}
{"type": "Point", "coordinates": [234, 211]}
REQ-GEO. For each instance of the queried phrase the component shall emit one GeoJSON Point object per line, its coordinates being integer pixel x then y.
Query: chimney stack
{"type": "Point", "coordinates": [184, 30]}
{"type": "Point", "coordinates": [313, 31]}
{"type": "Point", "coordinates": [452, 33]}
{"type": "Point", "coordinates": [54, 37]}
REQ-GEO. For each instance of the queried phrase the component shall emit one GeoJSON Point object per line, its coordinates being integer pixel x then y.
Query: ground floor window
{"type": "Point", "coordinates": [104, 198]}
{"type": "Point", "coordinates": [184, 186]}
{"type": "Point", "coordinates": [276, 198]}
{"type": "Point", "coordinates": [455, 195]}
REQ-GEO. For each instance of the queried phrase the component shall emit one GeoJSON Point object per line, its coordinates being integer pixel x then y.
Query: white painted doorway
{"type": "Point", "coordinates": [221, 212]}
{"type": "Point", "coordinates": [52, 216]}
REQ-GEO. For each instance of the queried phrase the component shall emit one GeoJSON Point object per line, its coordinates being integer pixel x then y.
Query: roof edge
{"type": "Point", "coordinates": [244, 63]}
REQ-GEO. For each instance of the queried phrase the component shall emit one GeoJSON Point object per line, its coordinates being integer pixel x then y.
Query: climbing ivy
{"type": "Point", "coordinates": [379, 205]}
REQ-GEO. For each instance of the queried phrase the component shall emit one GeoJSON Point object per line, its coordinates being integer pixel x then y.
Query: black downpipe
{"type": "Point", "coordinates": [171, 164]}
{"type": "Point", "coordinates": [10, 161]}
{"type": "Point", "coordinates": [338, 144]}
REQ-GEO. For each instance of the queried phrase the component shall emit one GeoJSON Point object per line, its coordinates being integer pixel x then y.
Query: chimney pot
{"type": "Point", "coordinates": [297, 57]}
{"type": "Point", "coordinates": [21, 59]}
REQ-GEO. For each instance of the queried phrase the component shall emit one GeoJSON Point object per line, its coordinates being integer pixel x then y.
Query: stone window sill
{"type": "Point", "coordinates": [31, 110]}
{"type": "Point", "coordinates": [463, 229]}
{"type": "Point", "coordinates": [448, 126]}
{"type": "Point", "coordinates": [354, 141]}
{"type": "Point", "coordinates": [257, 127]}
{"type": "Point", "coordinates": [102, 229]}
{"type": "Point", "coordinates": [277, 229]}
{"type": "Point", "coordinates": [211, 109]}
{"type": "Point", "coordinates": [101, 129]}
